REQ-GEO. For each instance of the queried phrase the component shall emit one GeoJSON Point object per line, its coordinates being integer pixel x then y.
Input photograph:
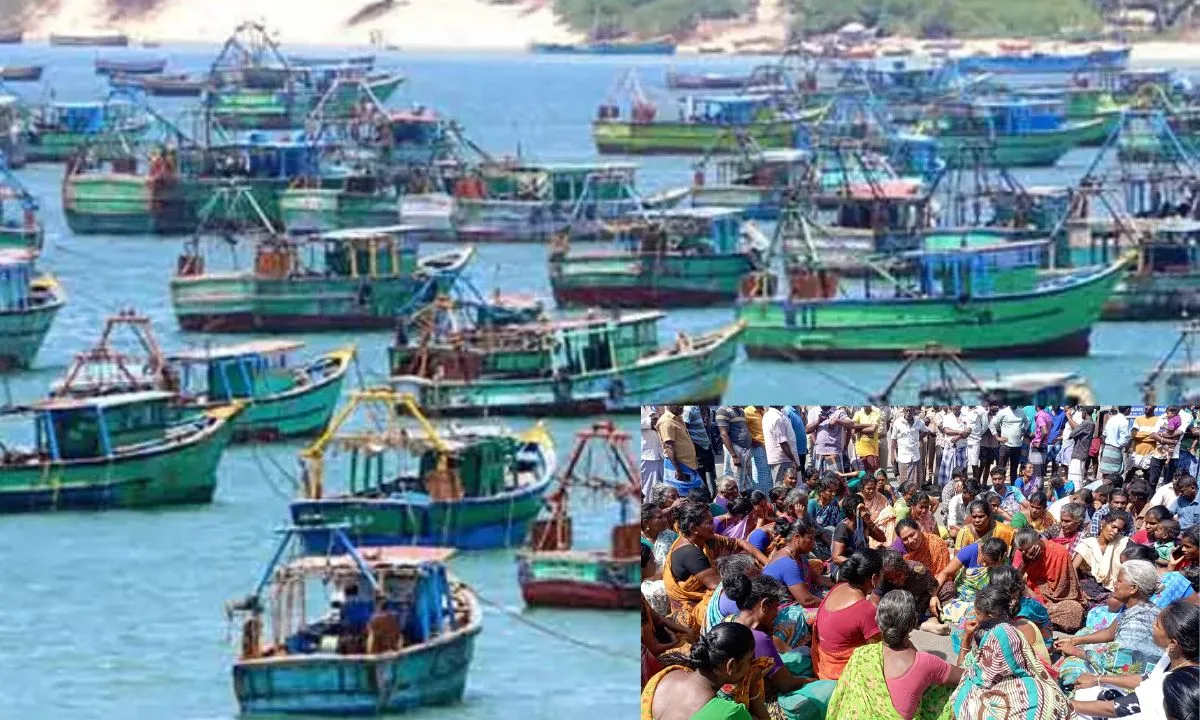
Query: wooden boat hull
{"type": "Point", "coordinates": [184, 472]}
{"type": "Point", "coordinates": [12, 37]}
{"type": "Point", "coordinates": [470, 524]}
{"type": "Point", "coordinates": [1035, 150]}
{"type": "Point", "coordinates": [627, 280]}
{"type": "Point", "coordinates": [431, 674]}
{"type": "Point", "coordinates": [505, 221]}
{"type": "Point", "coordinates": [677, 138]}
{"type": "Point", "coordinates": [325, 209]}
{"type": "Point", "coordinates": [1157, 296]}
{"type": "Point", "coordinates": [579, 580]}
{"type": "Point", "coordinates": [22, 238]}
{"type": "Point", "coordinates": [14, 73]}
{"type": "Point", "coordinates": [147, 67]}
{"type": "Point", "coordinates": [164, 87]}
{"type": "Point", "coordinates": [1040, 63]}
{"type": "Point", "coordinates": [695, 377]}
{"type": "Point", "coordinates": [242, 302]}
{"type": "Point", "coordinates": [23, 332]}
{"type": "Point", "coordinates": [113, 40]}
{"type": "Point", "coordinates": [113, 204]}
{"type": "Point", "coordinates": [56, 146]}
{"type": "Point", "coordinates": [302, 411]}
{"type": "Point", "coordinates": [1053, 322]}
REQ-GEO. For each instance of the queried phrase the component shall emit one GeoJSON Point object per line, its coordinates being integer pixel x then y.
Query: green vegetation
{"type": "Point", "coordinates": [646, 18]}
{"type": "Point", "coordinates": [941, 18]}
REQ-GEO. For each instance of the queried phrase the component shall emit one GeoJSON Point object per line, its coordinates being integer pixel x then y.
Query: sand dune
{"type": "Point", "coordinates": [411, 24]}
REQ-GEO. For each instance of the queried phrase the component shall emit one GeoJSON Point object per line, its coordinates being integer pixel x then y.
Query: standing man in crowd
{"type": "Point", "coordinates": [780, 441]}
{"type": "Point", "coordinates": [761, 475]}
{"type": "Point", "coordinates": [832, 426]}
{"type": "Point", "coordinates": [697, 418]}
{"type": "Point", "coordinates": [652, 455]}
{"type": "Point", "coordinates": [679, 453]}
{"type": "Point", "coordinates": [867, 422]}
{"type": "Point", "coordinates": [735, 439]}
{"type": "Point", "coordinates": [1116, 441]}
{"type": "Point", "coordinates": [1009, 428]}
{"type": "Point", "coordinates": [907, 431]}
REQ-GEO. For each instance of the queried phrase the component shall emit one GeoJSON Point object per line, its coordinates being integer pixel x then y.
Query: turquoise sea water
{"type": "Point", "coordinates": [119, 614]}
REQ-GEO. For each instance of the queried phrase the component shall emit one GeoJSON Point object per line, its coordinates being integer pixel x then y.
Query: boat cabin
{"type": "Point", "coordinates": [1004, 117]}
{"type": "Point", "coordinates": [418, 135]}
{"type": "Point", "coordinates": [774, 168]}
{"type": "Point", "coordinates": [978, 271]}
{"type": "Point", "coordinates": [549, 182]}
{"type": "Point", "coordinates": [71, 428]}
{"type": "Point", "coordinates": [83, 118]}
{"type": "Point", "coordinates": [410, 582]}
{"type": "Point", "coordinates": [243, 371]}
{"type": "Point", "coordinates": [382, 252]}
{"type": "Point", "coordinates": [688, 231]}
{"type": "Point", "coordinates": [260, 156]}
{"type": "Point", "coordinates": [18, 291]}
{"type": "Point", "coordinates": [1174, 249]}
{"type": "Point", "coordinates": [735, 110]}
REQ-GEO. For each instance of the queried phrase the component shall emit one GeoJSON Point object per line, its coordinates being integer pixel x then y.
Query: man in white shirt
{"type": "Point", "coordinates": [1009, 428]}
{"type": "Point", "coordinates": [976, 420]}
{"type": "Point", "coordinates": [954, 433]}
{"type": "Point", "coordinates": [652, 457]}
{"type": "Point", "coordinates": [1186, 419]}
{"type": "Point", "coordinates": [907, 430]}
{"type": "Point", "coordinates": [780, 441]}
{"type": "Point", "coordinates": [1117, 436]}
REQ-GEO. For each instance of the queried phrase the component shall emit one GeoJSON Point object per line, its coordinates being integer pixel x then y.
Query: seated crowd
{"type": "Point", "coordinates": [1062, 596]}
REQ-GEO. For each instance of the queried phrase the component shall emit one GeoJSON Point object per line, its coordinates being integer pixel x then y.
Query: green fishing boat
{"type": "Point", "coordinates": [20, 226]}
{"type": "Point", "coordinates": [29, 303]}
{"type": "Point", "coordinates": [57, 131]}
{"type": "Point", "coordinates": [348, 279]}
{"type": "Point", "coordinates": [1170, 135]}
{"type": "Point", "coordinates": [576, 365]}
{"type": "Point", "coordinates": [400, 480]}
{"type": "Point", "coordinates": [1023, 133]}
{"type": "Point", "coordinates": [115, 451]}
{"type": "Point", "coordinates": [983, 301]}
{"type": "Point", "coordinates": [684, 257]}
{"type": "Point", "coordinates": [169, 190]}
{"type": "Point", "coordinates": [14, 142]}
{"type": "Point", "coordinates": [1082, 104]}
{"type": "Point", "coordinates": [282, 399]}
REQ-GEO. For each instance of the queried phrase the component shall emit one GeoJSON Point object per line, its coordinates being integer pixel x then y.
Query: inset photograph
{"type": "Point", "coordinates": [983, 560]}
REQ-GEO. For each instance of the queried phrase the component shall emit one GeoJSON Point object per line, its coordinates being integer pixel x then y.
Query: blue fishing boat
{"type": "Point", "coordinates": [1026, 62]}
{"type": "Point", "coordinates": [400, 634]}
{"type": "Point", "coordinates": [410, 483]}
{"type": "Point", "coordinates": [660, 46]}
{"type": "Point", "coordinates": [29, 303]}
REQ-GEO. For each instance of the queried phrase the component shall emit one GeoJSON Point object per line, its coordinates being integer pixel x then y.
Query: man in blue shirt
{"type": "Point", "coordinates": [794, 417]}
{"type": "Point", "coordinates": [1054, 441]}
{"type": "Point", "coordinates": [1187, 508]}
{"type": "Point", "coordinates": [697, 419]}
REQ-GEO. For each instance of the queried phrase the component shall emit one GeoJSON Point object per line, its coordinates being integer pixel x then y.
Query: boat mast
{"type": "Point", "coordinates": [1186, 348]}
{"type": "Point", "coordinates": [941, 363]}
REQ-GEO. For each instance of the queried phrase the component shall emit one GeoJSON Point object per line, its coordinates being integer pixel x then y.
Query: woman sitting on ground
{"type": "Point", "coordinates": [1126, 646]}
{"type": "Point", "coordinates": [1181, 694]}
{"type": "Point", "coordinates": [789, 564]}
{"type": "Point", "coordinates": [688, 574]}
{"type": "Point", "coordinates": [1098, 559]}
{"type": "Point", "coordinates": [745, 515]}
{"type": "Point", "coordinates": [892, 679]}
{"type": "Point", "coordinates": [656, 531]}
{"type": "Point", "coordinates": [758, 602]}
{"type": "Point", "coordinates": [1003, 678]}
{"type": "Point", "coordinates": [729, 568]}
{"type": "Point", "coordinates": [880, 509]}
{"type": "Point", "coordinates": [1072, 520]}
{"type": "Point", "coordinates": [981, 526]}
{"type": "Point", "coordinates": [1028, 615]}
{"type": "Point", "coordinates": [721, 658]}
{"type": "Point", "coordinates": [921, 511]}
{"type": "Point", "coordinates": [926, 548]}
{"type": "Point", "coordinates": [1177, 632]}
{"type": "Point", "coordinates": [1051, 578]}
{"type": "Point", "coordinates": [846, 618]}
{"type": "Point", "coordinates": [1150, 519]}
{"type": "Point", "coordinates": [963, 577]}
{"type": "Point", "coordinates": [852, 533]}
{"type": "Point", "coordinates": [1037, 518]}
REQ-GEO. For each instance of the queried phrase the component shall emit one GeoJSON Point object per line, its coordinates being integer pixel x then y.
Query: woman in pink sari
{"type": "Point", "coordinates": [745, 515]}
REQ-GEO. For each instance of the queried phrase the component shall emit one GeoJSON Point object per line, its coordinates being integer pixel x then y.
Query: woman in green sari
{"type": "Point", "coordinates": [892, 680]}
{"type": "Point", "coordinates": [964, 576]}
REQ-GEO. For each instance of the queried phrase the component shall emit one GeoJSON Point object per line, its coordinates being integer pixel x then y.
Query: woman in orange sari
{"type": "Point", "coordinates": [929, 549]}
{"type": "Point", "coordinates": [846, 618]}
{"type": "Point", "coordinates": [1051, 578]}
{"type": "Point", "coordinates": [689, 573]}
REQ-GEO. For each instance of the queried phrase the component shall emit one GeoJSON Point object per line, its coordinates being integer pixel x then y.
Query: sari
{"type": "Point", "coordinates": [966, 536]}
{"type": "Point", "coordinates": [791, 624]}
{"type": "Point", "coordinates": [1070, 543]}
{"type": "Point", "coordinates": [934, 555]}
{"type": "Point", "coordinates": [738, 530]}
{"type": "Point", "coordinates": [884, 518]}
{"type": "Point", "coordinates": [827, 515]}
{"type": "Point", "coordinates": [740, 694]}
{"type": "Point", "coordinates": [1174, 587]}
{"type": "Point", "coordinates": [828, 664]}
{"type": "Point", "coordinates": [689, 599]}
{"type": "Point", "coordinates": [1130, 653]}
{"type": "Point", "coordinates": [1004, 680]}
{"type": "Point", "coordinates": [862, 692]}
{"type": "Point", "coordinates": [1104, 563]}
{"type": "Point", "coordinates": [1030, 610]}
{"type": "Point", "coordinates": [968, 584]}
{"type": "Point", "coordinates": [662, 545]}
{"type": "Point", "coordinates": [1053, 581]}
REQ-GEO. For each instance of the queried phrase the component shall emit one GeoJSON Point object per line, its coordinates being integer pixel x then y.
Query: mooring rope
{"type": "Point", "coordinates": [551, 632]}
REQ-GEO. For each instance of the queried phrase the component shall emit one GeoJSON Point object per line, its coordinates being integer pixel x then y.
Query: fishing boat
{"type": "Point", "coordinates": [1177, 374]}
{"type": "Point", "coordinates": [1025, 133]}
{"type": "Point", "coordinates": [115, 451]}
{"type": "Point", "coordinates": [28, 305]}
{"type": "Point", "coordinates": [109, 39]}
{"type": "Point", "coordinates": [536, 202]}
{"type": "Point", "coordinates": [317, 60]}
{"type": "Point", "coordinates": [554, 574]}
{"type": "Point", "coordinates": [760, 78]}
{"type": "Point", "coordinates": [985, 301]}
{"type": "Point", "coordinates": [683, 257]}
{"type": "Point", "coordinates": [704, 123]}
{"type": "Point", "coordinates": [20, 226]}
{"type": "Point", "coordinates": [1164, 283]}
{"type": "Point", "coordinates": [21, 73]}
{"type": "Point", "coordinates": [755, 183]}
{"type": "Point", "coordinates": [282, 399]}
{"type": "Point", "coordinates": [411, 483]}
{"type": "Point", "coordinates": [1083, 104]}
{"type": "Point", "coordinates": [347, 279]}
{"type": "Point", "coordinates": [1028, 61]}
{"type": "Point", "coordinates": [582, 364]}
{"type": "Point", "coordinates": [177, 85]}
{"type": "Point", "coordinates": [12, 37]}
{"type": "Point", "coordinates": [660, 46]}
{"type": "Point", "coordinates": [425, 622]}
{"type": "Point", "coordinates": [115, 66]}
{"type": "Point", "coordinates": [127, 188]}
{"type": "Point", "coordinates": [56, 131]}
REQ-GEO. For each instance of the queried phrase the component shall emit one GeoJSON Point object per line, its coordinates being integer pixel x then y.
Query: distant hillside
{"type": "Point", "coordinates": [647, 18]}
{"type": "Point", "coordinates": [959, 18]}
